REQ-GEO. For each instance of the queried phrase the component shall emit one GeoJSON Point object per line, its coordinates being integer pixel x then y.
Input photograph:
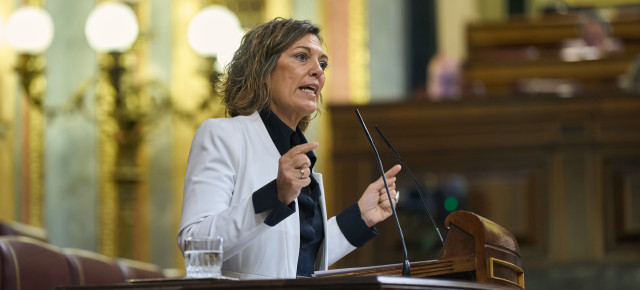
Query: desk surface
{"type": "Point", "coordinates": [372, 282]}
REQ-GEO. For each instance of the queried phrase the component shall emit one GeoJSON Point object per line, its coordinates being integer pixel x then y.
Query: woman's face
{"type": "Point", "coordinates": [297, 80]}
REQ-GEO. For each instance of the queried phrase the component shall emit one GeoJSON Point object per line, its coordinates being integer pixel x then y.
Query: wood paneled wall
{"type": "Point", "coordinates": [563, 175]}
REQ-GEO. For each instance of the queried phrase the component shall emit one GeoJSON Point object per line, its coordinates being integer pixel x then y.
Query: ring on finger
{"type": "Point", "coordinates": [301, 173]}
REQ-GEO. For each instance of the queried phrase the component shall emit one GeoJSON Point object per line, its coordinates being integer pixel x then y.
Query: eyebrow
{"type": "Point", "coordinates": [309, 50]}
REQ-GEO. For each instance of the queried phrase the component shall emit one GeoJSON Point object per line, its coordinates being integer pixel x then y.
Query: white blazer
{"type": "Point", "coordinates": [229, 160]}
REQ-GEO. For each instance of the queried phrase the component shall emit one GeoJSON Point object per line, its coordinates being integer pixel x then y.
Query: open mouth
{"type": "Point", "coordinates": [308, 89]}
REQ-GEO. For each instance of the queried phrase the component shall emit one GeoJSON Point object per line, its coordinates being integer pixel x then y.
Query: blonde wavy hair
{"type": "Point", "coordinates": [246, 87]}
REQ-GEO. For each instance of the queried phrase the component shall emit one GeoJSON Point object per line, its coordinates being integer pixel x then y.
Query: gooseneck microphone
{"type": "Point", "coordinates": [406, 267]}
{"type": "Point", "coordinates": [404, 165]}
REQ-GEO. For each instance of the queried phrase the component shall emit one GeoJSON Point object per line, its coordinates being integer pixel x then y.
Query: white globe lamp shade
{"type": "Point", "coordinates": [30, 30]}
{"type": "Point", "coordinates": [111, 27]}
{"type": "Point", "coordinates": [215, 31]}
{"type": "Point", "coordinates": [226, 51]}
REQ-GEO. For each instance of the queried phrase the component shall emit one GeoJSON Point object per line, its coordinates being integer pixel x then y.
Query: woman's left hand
{"type": "Point", "coordinates": [374, 204]}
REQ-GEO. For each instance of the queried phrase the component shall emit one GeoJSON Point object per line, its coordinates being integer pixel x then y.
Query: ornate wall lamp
{"type": "Point", "coordinates": [215, 34]}
{"type": "Point", "coordinates": [111, 29]}
{"type": "Point", "coordinates": [125, 106]}
{"type": "Point", "coordinates": [30, 31]}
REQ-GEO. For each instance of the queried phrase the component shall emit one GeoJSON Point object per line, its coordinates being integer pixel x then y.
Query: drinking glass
{"type": "Point", "coordinates": [203, 256]}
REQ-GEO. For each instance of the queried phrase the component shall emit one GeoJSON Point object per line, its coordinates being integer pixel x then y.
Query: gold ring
{"type": "Point", "coordinates": [301, 173]}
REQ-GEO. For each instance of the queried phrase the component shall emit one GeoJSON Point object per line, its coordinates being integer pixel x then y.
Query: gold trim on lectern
{"type": "Point", "coordinates": [518, 270]}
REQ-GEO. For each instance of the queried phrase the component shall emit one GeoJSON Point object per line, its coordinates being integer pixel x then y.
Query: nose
{"type": "Point", "coordinates": [316, 70]}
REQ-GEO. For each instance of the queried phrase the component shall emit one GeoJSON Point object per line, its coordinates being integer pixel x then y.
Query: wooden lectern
{"type": "Point", "coordinates": [475, 247]}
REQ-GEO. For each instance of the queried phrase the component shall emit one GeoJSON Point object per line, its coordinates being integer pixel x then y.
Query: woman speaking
{"type": "Point", "coordinates": [250, 178]}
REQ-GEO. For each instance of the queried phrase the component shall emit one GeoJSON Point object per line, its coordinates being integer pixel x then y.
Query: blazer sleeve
{"type": "Point", "coordinates": [208, 208]}
{"type": "Point", "coordinates": [337, 243]}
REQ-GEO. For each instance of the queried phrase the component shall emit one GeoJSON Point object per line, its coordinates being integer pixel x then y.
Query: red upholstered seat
{"type": "Point", "coordinates": [27, 263]}
{"type": "Point", "coordinates": [90, 268]}
{"type": "Point", "coordinates": [139, 270]}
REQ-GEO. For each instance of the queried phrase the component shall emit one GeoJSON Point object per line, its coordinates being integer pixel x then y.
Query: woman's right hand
{"type": "Point", "coordinates": [294, 172]}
